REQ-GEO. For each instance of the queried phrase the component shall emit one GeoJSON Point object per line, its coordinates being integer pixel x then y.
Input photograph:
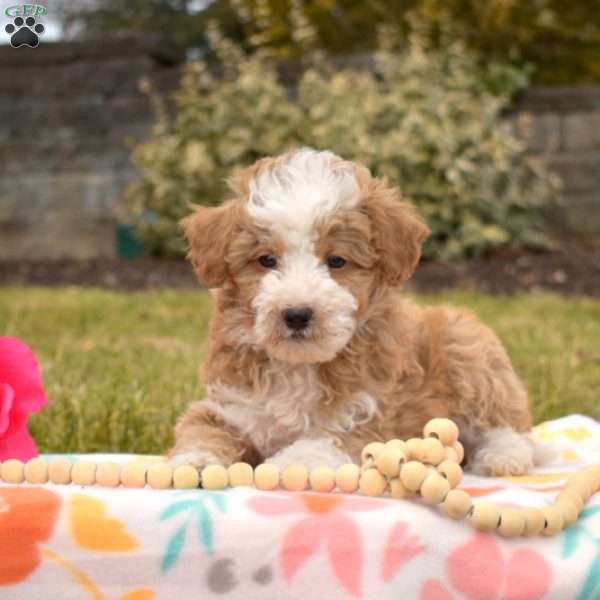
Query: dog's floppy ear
{"type": "Point", "coordinates": [398, 232]}
{"type": "Point", "coordinates": [208, 231]}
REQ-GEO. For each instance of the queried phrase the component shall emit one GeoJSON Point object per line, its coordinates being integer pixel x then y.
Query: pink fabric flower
{"type": "Point", "coordinates": [21, 393]}
{"type": "Point", "coordinates": [400, 548]}
{"type": "Point", "coordinates": [323, 522]}
{"type": "Point", "coordinates": [478, 570]}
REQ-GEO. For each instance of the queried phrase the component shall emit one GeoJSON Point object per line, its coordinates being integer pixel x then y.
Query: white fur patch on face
{"type": "Point", "coordinates": [300, 192]}
{"type": "Point", "coordinates": [292, 200]}
{"type": "Point", "coordinates": [302, 281]}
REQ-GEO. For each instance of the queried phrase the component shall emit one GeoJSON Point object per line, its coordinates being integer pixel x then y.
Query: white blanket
{"type": "Point", "coordinates": [69, 542]}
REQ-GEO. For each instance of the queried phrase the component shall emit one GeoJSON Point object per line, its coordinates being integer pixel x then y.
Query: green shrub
{"type": "Point", "coordinates": [221, 123]}
{"type": "Point", "coordinates": [432, 122]}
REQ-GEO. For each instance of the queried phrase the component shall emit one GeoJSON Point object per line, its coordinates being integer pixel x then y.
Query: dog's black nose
{"type": "Point", "coordinates": [297, 318]}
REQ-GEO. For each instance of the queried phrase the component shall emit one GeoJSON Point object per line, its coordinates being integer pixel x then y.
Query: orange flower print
{"type": "Point", "coordinates": [27, 517]}
{"type": "Point", "coordinates": [324, 522]}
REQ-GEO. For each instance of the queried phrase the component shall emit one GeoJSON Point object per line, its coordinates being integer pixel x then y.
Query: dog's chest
{"type": "Point", "coordinates": [281, 408]}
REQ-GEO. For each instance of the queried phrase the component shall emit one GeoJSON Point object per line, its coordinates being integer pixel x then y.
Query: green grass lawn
{"type": "Point", "coordinates": [118, 368]}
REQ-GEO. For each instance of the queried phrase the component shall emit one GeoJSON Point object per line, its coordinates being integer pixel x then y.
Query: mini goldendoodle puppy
{"type": "Point", "coordinates": [313, 350]}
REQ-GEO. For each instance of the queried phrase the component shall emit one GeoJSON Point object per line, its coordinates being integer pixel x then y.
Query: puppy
{"type": "Point", "coordinates": [314, 352]}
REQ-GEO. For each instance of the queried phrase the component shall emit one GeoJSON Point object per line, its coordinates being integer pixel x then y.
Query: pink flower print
{"type": "Point", "coordinates": [21, 393]}
{"type": "Point", "coordinates": [399, 549]}
{"type": "Point", "coordinates": [324, 521]}
{"type": "Point", "coordinates": [434, 590]}
{"type": "Point", "coordinates": [479, 571]}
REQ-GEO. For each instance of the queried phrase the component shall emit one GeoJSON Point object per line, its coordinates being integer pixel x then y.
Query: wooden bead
{"type": "Point", "coordinates": [398, 489]}
{"type": "Point", "coordinates": [160, 476]}
{"type": "Point", "coordinates": [451, 471]}
{"type": "Point", "coordinates": [432, 451]}
{"type": "Point", "coordinates": [346, 478]}
{"type": "Point", "coordinates": [443, 429]}
{"type": "Point", "coordinates": [594, 474]}
{"type": "Point", "coordinates": [133, 475]}
{"type": "Point", "coordinates": [460, 451]}
{"type": "Point", "coordinates": [214, 477]}
{"type": "Point", "coordinates": [413, 474]}
{"type": "Point", "coordinates": [534, 522]}
{"type": "Point", "coordinates": [457, 504]}
{"type": "Point", "coordinates": [413, 449]}
{"type": "Point", "coordinates": [389, 461]}
{"type": "Point", "coordinates": [84, 473]}
{"type": "Point", "coordinates": [240, 474]}
{"type": "Point", "coordinates": [322, 479]}
{"type": "Point", "coordinates": [294, 478]}
{"type": "Point", "coordinates": [512, 522]}
{"type": "Point", "coordinates": [434, 489]}
{"type": "Point", "coordinates": [186, 477]}
{"type": "Point", "coordinates": [553, 520]}
{"type": "Point", "coordinates": [36, 470]}
{"type": "Point", "coordinates": [485, 516]}
{"type": "Point", "coordinates": [372, 483]}
{"type": "Point", "coordinates": [108, 474]}
{"type": "Point", "coordinates": [569, 512]}
{"type": "Point", "coordinates": [451, 454]}
{"type": "Point", "coordinates": [573, 496]}
{"type": "Point", "coordinates": [266, 477]}
{"type": "Point", "coordinates": [59, 471]}
{"type": "Point", "coordinates": [12, 471]}
{"type": "Point", "coordinates": [371, 451]}
{"type": "Point", "coordinates": [580, 484]}
{"type": "Point", "coordinates": [395, 444]}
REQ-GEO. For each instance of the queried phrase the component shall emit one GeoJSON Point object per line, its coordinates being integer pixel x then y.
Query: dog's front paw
{"type": "Point", "coordinates": [311, 453]}
{"type": "Point", "coordinates": [501, 465]}
{"type": "Point", "coordinates": [503, 452]}
{"type": "Point", "coordinates": [197, 458]}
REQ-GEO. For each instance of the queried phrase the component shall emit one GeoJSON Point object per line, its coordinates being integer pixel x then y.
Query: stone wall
{"type": "Point", "coordinates": [70, 111]}
{"type": "Point", "coordinates": [68, 115]}
{"type": "Point", "coordinates": [562, 126]}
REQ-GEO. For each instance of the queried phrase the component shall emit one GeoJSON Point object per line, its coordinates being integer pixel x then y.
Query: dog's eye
{"type": "Point", "coordinates": [267, 261]}
{"type": "Point", "coordinates": [335, 262]}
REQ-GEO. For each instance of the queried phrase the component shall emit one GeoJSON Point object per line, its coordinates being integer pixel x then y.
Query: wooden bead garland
{"type": "Point", "coordinates": [346, 478]}
{"type": "Point", "coordinates": [266, 477]}
{"type": "Point", "coordinates": [428, 467]}
{"type": "Point", "coordinates": [372, 483]}
{"type": "Point", "coordinates": [322, 479]}
{"type": "Point", "coordinates": [83, 472]}
{"type": "Point", "coordinates": [457, 504]}
{"type": "Point", "coordinates": [294, 478]}
{"type": "Point", "coordinates": [240, 474]}
{"type": "Point", "coordinates": [534, 522]}
{"type": "Point", "coordinates": [59, 471]}
{"type": "Point", "coordinates": [160, 476]}
{"type": "Point", "coordinates": [12, 471]}
{"type": "Point", "coordinates": [512, 522]}
{"type": "Point", "coordinates": [36, 471]}
{"type": "Point", "coordinates": [185, 477]}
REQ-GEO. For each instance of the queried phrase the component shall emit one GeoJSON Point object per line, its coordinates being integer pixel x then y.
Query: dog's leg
{"type": "Point", "coordinates": [202, 437]}
{"type": "Point", "coordinates": [311, 453]}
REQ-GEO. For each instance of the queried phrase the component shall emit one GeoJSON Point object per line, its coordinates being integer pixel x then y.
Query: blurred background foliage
{"type": "Point", "coordinates": [431, 119]}
{"type": "Point", "coordinates": [559, 39]}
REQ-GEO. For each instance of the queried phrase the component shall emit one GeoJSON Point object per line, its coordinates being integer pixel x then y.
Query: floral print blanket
{"type": "Point", "coordinates": [94, 544]}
